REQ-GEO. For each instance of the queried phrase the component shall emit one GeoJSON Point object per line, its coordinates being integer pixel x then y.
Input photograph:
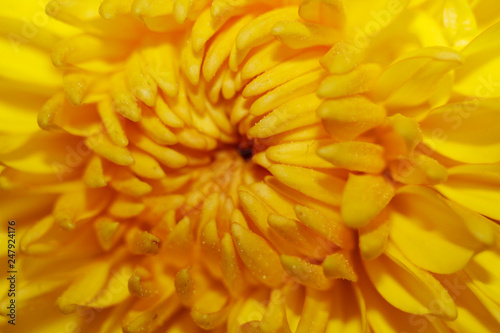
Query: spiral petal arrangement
{"type": "Point", "coordinates": [252, 166]}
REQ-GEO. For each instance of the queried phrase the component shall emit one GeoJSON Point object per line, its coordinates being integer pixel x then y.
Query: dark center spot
{"type": "Point", "coordinates": [245, 149]}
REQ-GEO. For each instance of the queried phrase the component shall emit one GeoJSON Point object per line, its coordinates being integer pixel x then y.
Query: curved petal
{"type": "Point", "coordinates": [476, 187]}
{"type": "Point", "coordinates": [384, 318]}
{"type": "Point", "coordinates": [467, 132]}
{"type": "Point", "coordinates": [420, 227]}
{"type": "Point", "coordinates": [472, 314]}
{"type": "Point", "coordinates": [482, 271]}
{"type": "Point", "coordinates": [408, 287]}
{"type": "Point", "coordinates": [411, 80]}
{"type": "Point", "coordinates": [476, 78]}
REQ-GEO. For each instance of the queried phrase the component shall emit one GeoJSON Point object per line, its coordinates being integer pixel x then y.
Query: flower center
{"type": "Point", "coordinates": [245, 149]}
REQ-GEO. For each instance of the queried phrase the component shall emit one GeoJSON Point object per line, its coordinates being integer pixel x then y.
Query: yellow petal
{"type": "Point", "coordinates": [107, 231]}
{"type": "Point", "coordinates": [211, 247]}
{"type": "Point", "coordinates": [358, 81]}
{"type": "Point", "coordinates": [297, 113]}
{"type": "Point", "coordinates": [58, 114]}
{"type": "Point", "coordinates": [171, 184]}
{"type": "Point", "coordinates": [163, 23]}
{"type": "Point", "coordinates": [262, 261]}
{"type": "Point", "coordinates": [125, 182]}
{"type": "Point", "coordinates": [80, 48]}
{"type": "Point", "coordinates": [259, 30]}
{"type": "Point", "coordinates": [363, 198]}
{"type": "Point", "coordinates": [298, 235]}
{"type": "Point", "coordinates": [124, 102]}
{"type": "Point", "coordinates": [211, 307]}
{"type": "Point", "coordinates": [282, 73]}
{"type": "Point", "coordinates": [476, 77]}
{"type": "Point", "coordinates": [302, 85]}
{"type": "Point", "coordinates": [305, 273]}
{"type": "Point", "coordinates": [407, 287]}
{"type": "Point", "coordinates": [482, 228]}
{"type": "Point", "coordinates": [255, 209]}
{"type": "Point", "coordinates": [101, 145]}
{"type": "Point", "coordinates": [374, 236]}
{"type": "Point", "coordinates": [73, 207]}
{"type": "Point", "coordinates": [459, 21]}
{"type": "Point", "coordinates": [160, 64]}
{"type": "Point", "coordinates": [251, 307]}
{"type": "Point", "coordinates": [383, 12]}
{"type": "Point", "coordinates": [185, 286]}
{"type": "Point", "coordinates": [473, 316]}
{"type": "Point", "coordinates": [210, 321]}
{"type": "Point", "coordinates": [180, 237]}
{"type": "Point", "coordinates": [410, 80]}
{"type": "Point", "coordinates": [221, 46]}
{"type": "Point", "coordinates": [19, 116]}
{"type": "Point", "coordinates": [94, 173]}
{"type": "Point", "coordinates": [355, 156]}
{"type": "Point", "coordinates": [191, 62]}
{"type": "Point", "coordinates": [274, 319]}
{"type": "Point", "coordinates": [338, 265]}
{"type": "Point", "coordinates": [33, 158]}
{"type": "Point", "coordinates": [36, 287]}
{"type": "Point", "coordinates": [111, 8]}
{"type": "Point", "coordinates": [266, 57]}
{"type": "Point", "coordinates": [482, 272]}
{"type": "Point", "coordinates": [316, 184]}
{"type": "Point", "coordinates": [258, 211]}
{"type": "Point", "coordinates": [418, 169]}
{"type": "Point", "coordinates": [125, 207]}
{"type": "Point", "coordinates": [19, 52]}
{"type": "Point", "coordinates": [151, 314]}
{"type": "Point", "coordinates": [112, 123]}
{"type": "Point", "coordinates": [383, 317]}
{"type": "Point", "coordinates": [165, 155]}
{"type": "Point", "coordinates": [204, 28]}
{"type": "Point", "coordinates": [183, 323]}
{"type": "Point", "coordinates": [166, 115]}
{"type": "Point", "coordinates": [342, 58]}
{"type": "Point", "coordinates": [350, 316]}
{"type": "Point", "coordinates": [475, 187]}
{"type": "Point", "coordinates": [152, 8]}
{"type": "Point", "coordinates": [346, 118]}
{"type": "Point", "coordinates": [273, 199]}
{"type": "Point", "coordinates": [155, 129]}
{"type": "Point", "coordinates": [193, 139]}
{"type": "Point", "coordinates": [230, 7]}
{"type": "Point", "coordinates": [140, 82]}
{"type": "Point", "coordinates": [299, 154]}
{"type": "Point", "coordinates": [219, 117]}
{"type": "Point", "coordinates": [231, 266]}
{"type": "Point", "coordinates": [36, 231]}
{"type": "Point", "coordinates": [448, 130]}
{"type": "Point", "coordinates": [332, 229]}
{"type": "Point", "coordinates": [299, 34]}
{"type": "Point", "coordinates": [327, 12]}
{"type": "Point", "coordinates": [315, 312]}
{"type": "Point", "coordinates": [403, 136]}
{"type": "Point", "coordinates": [181, 9]}
{"type": "Point", "coordinates": [180, 104]}
{"type": "Point", "coordinates": [423, 234]}
{"type": "Point", "coordinates": [145, 165]}
{"type": "Point", "coordinates": [85, 288]}
{"type": "Point", "coordinates": [115, 291]}
{"type": "Point", "coordinates": [142, 242]}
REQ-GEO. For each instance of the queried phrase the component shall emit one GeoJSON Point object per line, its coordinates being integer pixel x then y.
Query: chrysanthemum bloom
{"type": "Point", "coordinates": [251, 165]}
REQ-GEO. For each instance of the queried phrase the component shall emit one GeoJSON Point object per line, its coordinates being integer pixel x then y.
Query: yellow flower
{"type": "Point", "coordinates": [250, 166]}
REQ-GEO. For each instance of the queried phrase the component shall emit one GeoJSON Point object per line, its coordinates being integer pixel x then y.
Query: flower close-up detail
{"type": "Point", "coordinates": [250, 166]}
